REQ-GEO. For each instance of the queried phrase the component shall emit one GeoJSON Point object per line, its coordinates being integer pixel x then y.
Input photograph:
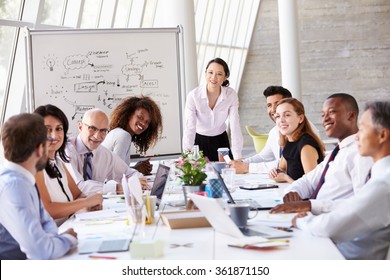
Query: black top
{"type": "Point", "coordinates": [292, 154]}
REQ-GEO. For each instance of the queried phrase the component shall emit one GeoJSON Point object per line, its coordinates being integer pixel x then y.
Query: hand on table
{"type": "Point", "coordinates": [292, 207]}
{"type": "Point", "coordinates": [95, 202]}
{"type": "Point", "coordinates": [291, 196]}
{"type": "Point", "coordinates": [144, 166]}
{"type": "Point", "coordinates": [299, 215]}
{"type": "Point", "coordinates": [144, 183]}
{"type": "Point", "coordinates": [241, 167]}
{"type": "Point", "coordinates": [71, 232]}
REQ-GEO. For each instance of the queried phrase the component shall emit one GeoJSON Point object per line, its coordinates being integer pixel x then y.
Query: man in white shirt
{"type": "Point", "coordinates": [360, 226]}
{"type": "Point", "coordinates": [269, 156]}
{"type": "Point", "coordinates": [345, 175]}
{"type": "Point", "coordinates": [104, 165]}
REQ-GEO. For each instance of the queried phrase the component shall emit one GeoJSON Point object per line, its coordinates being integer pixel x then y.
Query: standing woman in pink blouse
{"type": "Point", "coordinates": [209, 110]}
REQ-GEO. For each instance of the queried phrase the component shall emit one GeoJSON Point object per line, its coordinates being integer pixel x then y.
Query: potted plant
{"type": "Point", "coordinates": [192, 175]}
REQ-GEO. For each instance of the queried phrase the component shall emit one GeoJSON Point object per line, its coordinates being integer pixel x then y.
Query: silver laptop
{"type": "Point", "coordinates": [222, 223]}
{"type": "Point", "coordinates": [160, 181]}
{"type": "Point", "coordinates": [253, 203]}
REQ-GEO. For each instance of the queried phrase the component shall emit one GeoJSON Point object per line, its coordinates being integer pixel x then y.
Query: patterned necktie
{"type": "Point", "coordinates": [322, 179]}
{"type": "Point", "coordinates": [87, 170]}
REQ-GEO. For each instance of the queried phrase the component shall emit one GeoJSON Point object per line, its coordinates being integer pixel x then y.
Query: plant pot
{"type": "Point", "coordinates": [192, 189]}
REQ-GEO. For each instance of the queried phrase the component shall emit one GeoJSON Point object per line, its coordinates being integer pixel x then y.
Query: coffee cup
{"type": "Point", "coordinates": [239, 214]}
{"type": "Point", "coordinates": [216, 190]}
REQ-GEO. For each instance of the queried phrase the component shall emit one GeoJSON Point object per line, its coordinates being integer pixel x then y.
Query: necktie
{"type": "Point", "coordinates": [322, 179]}
{"type": "Point", "coordinates": [368, 176]}
{"type": "Point", "coordinates": [87, 166]}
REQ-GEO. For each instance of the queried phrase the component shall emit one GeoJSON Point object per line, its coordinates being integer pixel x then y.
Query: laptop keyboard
{"type": "Point", "coordinates": [253, 204]}
{"type": "Point", "coordinates": [248, 232]}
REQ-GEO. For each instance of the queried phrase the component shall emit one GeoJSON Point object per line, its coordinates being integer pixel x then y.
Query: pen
{"type": "Point", "coordinates": [284, 229]}
{"type": "Point", "coordinates": [279, 240]}
{"type": "Point", "coordinates": [102, 257]}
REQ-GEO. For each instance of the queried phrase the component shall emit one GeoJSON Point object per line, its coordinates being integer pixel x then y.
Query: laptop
{"type": "Point", "coordinates": [222, 223]}
{"type": "Point", "coordinates": [253, 203]}
{"type": "Point", "coordinates": [160, 181]}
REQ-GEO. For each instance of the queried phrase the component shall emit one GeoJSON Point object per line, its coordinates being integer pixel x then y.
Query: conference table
{"type": "Point", "coordinates": [196, 243]}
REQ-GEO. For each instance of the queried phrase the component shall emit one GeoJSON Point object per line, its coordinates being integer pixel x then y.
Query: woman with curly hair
{"type": "Point", "coordinates": [137, 120]}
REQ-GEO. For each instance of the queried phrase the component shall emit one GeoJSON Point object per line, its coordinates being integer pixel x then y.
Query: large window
{"type": "Point", "coordinates": [223, 29]}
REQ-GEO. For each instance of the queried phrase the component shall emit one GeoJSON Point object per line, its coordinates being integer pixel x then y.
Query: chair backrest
{"type": "Point", "coordinates": [259, 140]}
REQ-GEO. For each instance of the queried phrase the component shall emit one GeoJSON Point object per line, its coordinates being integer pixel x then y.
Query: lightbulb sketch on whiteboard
{"type": "Point", "coordinates": [50, 61]}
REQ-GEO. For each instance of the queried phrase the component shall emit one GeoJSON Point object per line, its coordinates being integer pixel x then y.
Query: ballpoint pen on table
{"type": "Point", "coordinates": [102, 257]}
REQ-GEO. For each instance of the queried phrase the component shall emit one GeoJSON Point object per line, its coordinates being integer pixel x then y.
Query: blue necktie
{"type": "Point", "coordinates": [87, 166]}
{"type": "Point", "coordinates": [322, 179]}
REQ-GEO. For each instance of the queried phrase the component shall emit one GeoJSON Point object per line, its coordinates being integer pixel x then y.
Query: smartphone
{"type": "Point", "coordinates": [260, 187]}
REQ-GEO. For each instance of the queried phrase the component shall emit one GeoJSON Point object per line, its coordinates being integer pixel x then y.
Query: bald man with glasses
{"type": "Point", "coordinates": [91, 164]}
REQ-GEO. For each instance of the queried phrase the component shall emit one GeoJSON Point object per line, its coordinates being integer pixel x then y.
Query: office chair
{"type": "Point", "coordinates": [259, 140]}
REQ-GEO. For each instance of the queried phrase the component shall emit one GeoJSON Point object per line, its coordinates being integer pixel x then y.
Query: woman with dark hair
{"type": "Point", "coordinates": [302, 148]}
{"type": "Point", "coordinates": [59, 192]}
{"type": "Point", "coordinates": [208, 110]}
{"type": "Point", "coordinates": [137, 120]}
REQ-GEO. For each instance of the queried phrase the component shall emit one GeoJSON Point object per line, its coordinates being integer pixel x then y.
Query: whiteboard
{"type": "Point", "coordinates": [77, 70]}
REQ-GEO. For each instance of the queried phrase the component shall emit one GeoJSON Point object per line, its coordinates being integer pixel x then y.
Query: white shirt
{"type": "Point", "coordinates": [199, 118]}
{"type": "Point", "coordinates": [54, 189]}
{"type": "Point", "coordinates": [360, 226]}
{"type": "Point", "coordinates": [270, 155]}
{"type": "Point", "coordinates": [345, 176]}
{"type": "Point", "coordinates": [105, 166]}
{"type": "Point", "coordinates": [118, 141]}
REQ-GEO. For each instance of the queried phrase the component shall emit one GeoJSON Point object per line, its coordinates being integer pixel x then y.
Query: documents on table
{"type": "Point", "coordinates": [101, 215]}
{"type": "Point", "coordinates": [277, 220]}
{"type": "Point", "coordinates": [257, 242]}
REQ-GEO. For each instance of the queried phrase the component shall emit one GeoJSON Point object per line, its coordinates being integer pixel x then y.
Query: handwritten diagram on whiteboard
{"type": "Point", "coordinates": [77, 70]}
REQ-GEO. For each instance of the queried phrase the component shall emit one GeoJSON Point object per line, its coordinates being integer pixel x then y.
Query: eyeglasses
{"type": "Point", "coordinates": [93, 129]}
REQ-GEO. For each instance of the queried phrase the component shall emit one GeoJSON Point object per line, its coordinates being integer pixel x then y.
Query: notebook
{"type": "Point", "coordinates": [222, 223]}
{"type": "Point", "coordinates": [104, 246]}
{"type": "Point", "coordinates": [254, 204]}
{"type": "Point", "coordinates": [160, 181]}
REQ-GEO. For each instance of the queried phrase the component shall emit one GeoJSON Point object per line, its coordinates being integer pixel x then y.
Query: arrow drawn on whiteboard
{"type": "Point", "coordinates": [70, 102]}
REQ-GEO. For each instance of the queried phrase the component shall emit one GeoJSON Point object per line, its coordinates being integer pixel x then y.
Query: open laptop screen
{"type": "Point", "coordinates": [254, 203]}
{"type": "Point", "coordinates": [159, 181]}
